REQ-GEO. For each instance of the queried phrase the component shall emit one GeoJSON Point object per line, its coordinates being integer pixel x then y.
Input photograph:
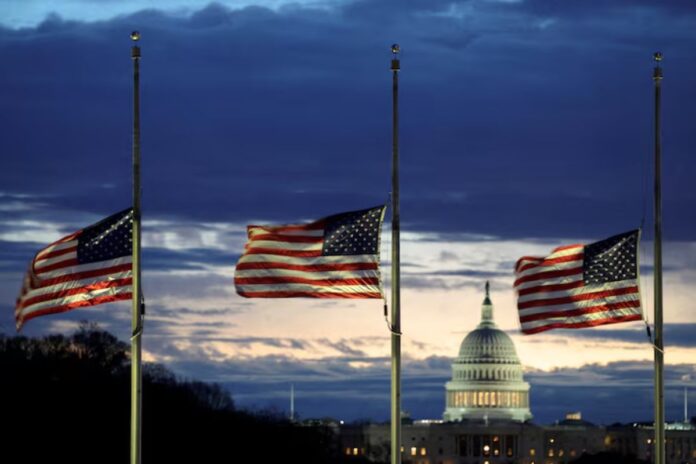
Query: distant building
{"type": "Point", "coordinates": [487, 380]}
{"type": "Point", "coordinates": [487, 413]}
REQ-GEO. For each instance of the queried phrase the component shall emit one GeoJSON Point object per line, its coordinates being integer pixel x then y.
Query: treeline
{"type": "Point", "coordinates": [67, 399]}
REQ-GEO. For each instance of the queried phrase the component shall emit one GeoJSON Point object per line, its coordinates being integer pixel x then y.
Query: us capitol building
{"type": "Point", "coordinates": [487, 380]}
{"type": "Point", "coordinates": [487, 419]}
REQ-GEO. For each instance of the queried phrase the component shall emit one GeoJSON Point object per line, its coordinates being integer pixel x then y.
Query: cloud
{"type": "Point", "coordinates": [345, 347]}
{"type": "Point", "coordinates": [618, 392]}
{"type": "Point", "coordinates": [596, 8]}
{"type": "Point", "coordinates": [230, 98]}
{"type": "Point", "coordinates": [190, 259]}
{"type": "Point", "coordinates": [522, 125]}
{"type": "Point", "coordinates": [16, 257]}
{"type": "Point", "coordinates": [675, 335]}
{"type": "Point", "coordinates": [178, 312]}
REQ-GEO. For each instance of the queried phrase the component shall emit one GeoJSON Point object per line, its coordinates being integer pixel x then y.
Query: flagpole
{"type": "Point", "coordinates": [658, 348]}
{"type": "Point", "coordinates": [396, 274]}
{"type": "Point", "coordinates": [136, 338]}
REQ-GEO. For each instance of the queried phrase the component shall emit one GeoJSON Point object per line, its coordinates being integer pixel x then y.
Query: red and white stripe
{"type": "Point", "coordinates": [56, 282]}
{"type": "Point", "coordinates": [551, 294]}
{"type": "Point", "coordinates": [286, 261]}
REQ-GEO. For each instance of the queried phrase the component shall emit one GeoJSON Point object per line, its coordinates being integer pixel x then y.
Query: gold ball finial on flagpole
{"type": "Point", "coordinates": [657, 72]}
{"type": "Point", "coordinates": [135, 50]}
{"type": "Point", "coordinates": [395, 49]}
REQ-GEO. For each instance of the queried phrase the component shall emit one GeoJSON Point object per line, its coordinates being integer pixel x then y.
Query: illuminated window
{"type": "Point", "coordinates": [572, 453]}
{"type": "Point", "coordinates": [355, 451]}
{"type": "Point", "coordinates": [347, 451]}
{"type": "Point", "coordinates": [414, 451]}
{"type": "Point", "coordinates": [560, 453]}
{"type": "Point", "coordinates": [422, 452]}
{"type": "Point", "coordinates": [607, 440]}
{"type": "Point", "coordinates": [510, 445]}
{"type": "Point", "coordinates": [532, 452]}
{"type": "Point", "coordinates": [550, 452]}
{"type": "Point", "coordinates": [552, 440]}
{"type": "Point", "coordinates": [402, 449]}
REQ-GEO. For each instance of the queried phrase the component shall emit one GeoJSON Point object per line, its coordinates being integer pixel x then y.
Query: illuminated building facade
{"type": "Point", "coordinates": [513, 442]}
{"type": "Point", "coordinates": [486, 419]}
{"type": "Point", "coordinates": [487, 380]}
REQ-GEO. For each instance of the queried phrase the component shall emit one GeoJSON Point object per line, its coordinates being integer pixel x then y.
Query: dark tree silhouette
{"type": "Point", "coordinates": [67, 399]}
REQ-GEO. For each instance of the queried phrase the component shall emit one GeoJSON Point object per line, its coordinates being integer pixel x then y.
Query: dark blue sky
{"type": "Point", "coordinates": [521, 122]}
{"type": "Point", "coordinates": [518, 118]}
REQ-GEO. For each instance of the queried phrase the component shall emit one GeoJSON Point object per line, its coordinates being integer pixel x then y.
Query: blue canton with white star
{"type": "Point", "coordinates": [611, 260]}
{"type": "Point", "coordinates": [109, 238]}
{"type": "Point", "coordinates": [353, 233]}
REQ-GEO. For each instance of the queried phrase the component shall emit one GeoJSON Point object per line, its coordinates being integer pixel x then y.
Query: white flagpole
{"type": "Point", "coordinates": [395, 274]}
{"type": "Point", "coordinates": [658, 344]}
{"type": "Point", "coordinates": [136, 320]}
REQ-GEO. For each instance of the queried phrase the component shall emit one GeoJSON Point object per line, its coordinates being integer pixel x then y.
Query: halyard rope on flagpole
{"type": "Point", "coordinates": [384, 295]}
{"type": "Point", "coordinates": [386, 319]}
{"type": "Point", "coordinates": [141, 322]}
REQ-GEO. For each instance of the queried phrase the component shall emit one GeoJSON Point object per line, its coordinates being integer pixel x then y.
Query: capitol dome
{"type": "Point", "coordinates": [487, 380]}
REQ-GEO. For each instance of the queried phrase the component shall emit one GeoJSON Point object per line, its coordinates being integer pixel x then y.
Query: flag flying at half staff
{"type": "Point", "coordinates": [86, 268]}
{"type": "Point", "coordinates": [580, 285]}
{"type": "Point", "coordinates": [334, 257]}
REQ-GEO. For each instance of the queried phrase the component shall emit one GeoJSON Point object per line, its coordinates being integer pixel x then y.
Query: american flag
{"type": "Point", "coordinates": [86, 268]}
{"type": "Point", "coordinates": [580, 285]}
{"type": "Point", "coordinates": [334, 257]}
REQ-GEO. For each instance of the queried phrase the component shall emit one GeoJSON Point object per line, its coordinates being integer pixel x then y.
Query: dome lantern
{"type": "Point", "coordinates": [487, 308]}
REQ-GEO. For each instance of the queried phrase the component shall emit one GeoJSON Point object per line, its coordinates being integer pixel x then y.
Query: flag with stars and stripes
{"type": "Point", "coordinates": [334, 257]}
{"type": "Point", "coordinates": [580, 285]}
{"type": "Point", "coordinates": [86, 268]}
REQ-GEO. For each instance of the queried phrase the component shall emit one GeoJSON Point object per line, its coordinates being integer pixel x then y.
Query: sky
{"type": "Point", "coordinates": [524, 125]}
